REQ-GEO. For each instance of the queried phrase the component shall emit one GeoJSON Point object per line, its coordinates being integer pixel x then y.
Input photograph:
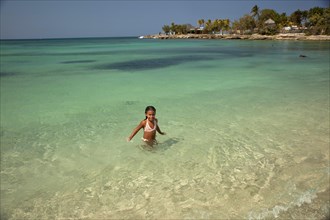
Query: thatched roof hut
{"type": "Point", "coordinates": [270, 22]}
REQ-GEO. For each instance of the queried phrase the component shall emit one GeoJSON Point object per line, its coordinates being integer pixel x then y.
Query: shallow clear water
{"type": "Point", "coordinates": [247, 126]}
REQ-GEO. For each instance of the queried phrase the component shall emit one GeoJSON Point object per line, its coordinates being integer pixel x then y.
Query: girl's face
{"type": "Point", "coordinates": [151, 115]}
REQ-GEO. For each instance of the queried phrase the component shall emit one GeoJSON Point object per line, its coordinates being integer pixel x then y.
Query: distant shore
{"type": "Point", "coordinates": [299, 36]}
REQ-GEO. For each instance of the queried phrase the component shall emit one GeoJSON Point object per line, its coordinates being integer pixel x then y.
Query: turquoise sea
{"type": "Point", "coordinates": [247, 126]}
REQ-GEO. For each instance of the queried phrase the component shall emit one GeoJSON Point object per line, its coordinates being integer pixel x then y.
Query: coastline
{"type": "Point", "coordinates": [300, 36]}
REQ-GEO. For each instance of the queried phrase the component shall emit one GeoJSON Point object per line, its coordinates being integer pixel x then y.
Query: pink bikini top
{"type": "Point", "coordinates": [147, 128]}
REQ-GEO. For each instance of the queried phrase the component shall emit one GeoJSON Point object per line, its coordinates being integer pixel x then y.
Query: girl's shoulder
{"type": "Point", "coordinates": [143, 122]}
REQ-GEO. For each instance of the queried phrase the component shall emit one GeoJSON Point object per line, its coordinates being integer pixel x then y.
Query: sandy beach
{"type": "Point", "coordinates": [299, 36]}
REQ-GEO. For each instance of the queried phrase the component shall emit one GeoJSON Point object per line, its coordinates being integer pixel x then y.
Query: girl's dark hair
{"type": "Point", "coordinates": [149, 108]}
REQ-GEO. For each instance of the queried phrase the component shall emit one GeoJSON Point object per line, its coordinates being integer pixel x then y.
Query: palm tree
{"type": "Point", "coordinates": [218, 24]}
{"type": "Point", "coordinates": [255, 12]}
{"type": "Point", "coordinates": [166, 29]}
{"type": "Point", "coordinates": [283, 21]}
{"type": "Point", "coordinates": [201, 22]}
{"type": "Point", "coordinates": [208, 26]}
{"type": "Point", "coordinates": [173, 28]}
{"type": "Point", "coordinates": [225, 24]}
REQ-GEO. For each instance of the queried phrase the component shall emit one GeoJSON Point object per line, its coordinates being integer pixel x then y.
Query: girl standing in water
{"type": "Point", "coordinates": [150, 126]}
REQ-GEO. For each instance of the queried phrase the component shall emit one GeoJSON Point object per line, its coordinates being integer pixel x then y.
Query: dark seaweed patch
{"type": "Point", "coordinates": [149, 64]}
{"type": "Point", "coordinates": [131, 102]}
{"type": "Point", "coordinates": [78, 61]}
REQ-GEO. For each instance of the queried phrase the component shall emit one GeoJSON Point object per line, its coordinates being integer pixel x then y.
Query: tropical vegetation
{"type": "Point", "coordinates": [314, 21]}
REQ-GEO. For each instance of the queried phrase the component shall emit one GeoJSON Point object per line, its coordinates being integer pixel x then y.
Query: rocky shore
{"type": "Point", "coordinates": [242, 37]}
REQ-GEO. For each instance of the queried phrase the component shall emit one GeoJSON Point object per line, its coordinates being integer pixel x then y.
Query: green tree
{"type": "Point", "coordinates": [221, 25]}
{"type": "Point", "coordinates": [217, 25]}
{"type": "Point", "coordinates": [166, 29]}
{"type": "Point", "coordinates": [245, 24]}
{"type": "Point", "coordinates": [315, 10]}
{"type": "Point", "coordinates": [226, 24]}
{"type": "Point", "coordinates": [296, 17]}
{"type": "Point", "coordinates": [326, 24]}
{"type": "Point", "coordinates": [236, 26]}
{"type": "Point", "coordinates": [319, 20]}
{"type": "Point", "coordinates": [208, 26]}
{"type": "Point", "coordinates": [183, 29]}
{"type": "Point", "coordinates": [174, 28]}
{"type": "Point", "coordinates": [304, 17]}
{"type": "Point", "coordinates": [283, 21]}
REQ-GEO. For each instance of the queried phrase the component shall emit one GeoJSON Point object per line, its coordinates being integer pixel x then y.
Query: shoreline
{"type": "Point", "coordinates": [300, 36]}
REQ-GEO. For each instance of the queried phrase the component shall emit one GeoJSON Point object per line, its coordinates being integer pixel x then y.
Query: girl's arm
{"type": "Point", "coordinates": [136, 130]}
{"type": "Point", "coordinates": [159, 131]}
